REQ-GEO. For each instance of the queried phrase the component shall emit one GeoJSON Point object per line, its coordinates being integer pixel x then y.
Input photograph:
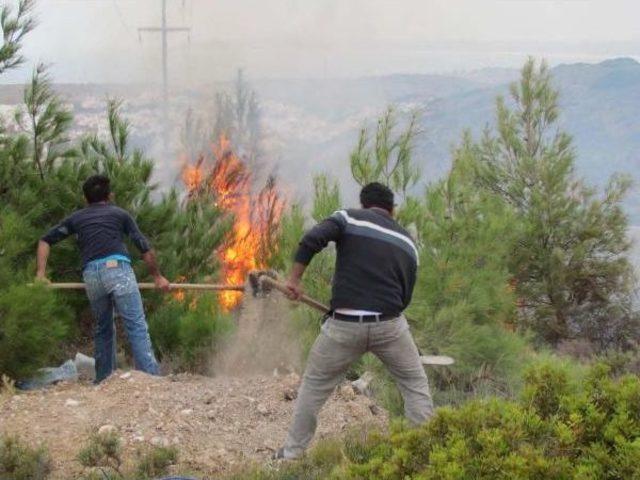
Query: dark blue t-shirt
{"type": "Point", "coordinates": [100, 230]}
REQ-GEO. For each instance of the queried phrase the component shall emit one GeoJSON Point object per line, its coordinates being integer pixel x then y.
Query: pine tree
{"type": "Point", "coordinates": [14, 28]}
{"type": "Point", "coordinates": [463, 304]}
{"type": "Point", "coordinates": [389, 159]}
{"type": "Point", "coordinates": [46, 121]}
{"type": "Point", "coordinates": [570, 260]}
{"type": "Point", "coordinates": [237, 117]}
{"type": "Point", "coordinates": [33, 320]}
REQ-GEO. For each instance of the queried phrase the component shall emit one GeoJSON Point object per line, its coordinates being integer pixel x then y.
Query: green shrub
{"type": "Point", "coordinates": [155, 462]}
{"type": "Point", "coordinates": [560, 429]}
{"type": "Point", "coordinates": [20, 462]}
{"type": "Point", "coordinates": [103, 450]}
{"type": "Point", "coordinates": [622, 363]}
{"type": "Point", "coordinates": [545, 386]}
{"type": "Point", "coordinates": [188, 332]}
{"type": "Point", "coordinates": [102, 457]}
{"type": "Point", "coordinates": [33, 323]}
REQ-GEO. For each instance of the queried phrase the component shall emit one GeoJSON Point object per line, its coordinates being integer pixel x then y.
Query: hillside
{"type": "Point", "coordinates": [600, 106]}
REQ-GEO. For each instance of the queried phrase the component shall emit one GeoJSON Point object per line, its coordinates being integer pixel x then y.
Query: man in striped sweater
{"type": "Point", "coordinates": [375, 273]}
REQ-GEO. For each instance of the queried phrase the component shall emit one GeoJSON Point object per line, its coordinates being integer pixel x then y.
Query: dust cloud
{"type": "Point", "coordinates": [264, 342]}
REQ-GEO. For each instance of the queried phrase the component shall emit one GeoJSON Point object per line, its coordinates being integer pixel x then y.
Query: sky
{"type": "Point", "coordinates": [97, 41]}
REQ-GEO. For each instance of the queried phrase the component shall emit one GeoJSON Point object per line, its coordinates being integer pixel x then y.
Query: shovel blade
{"type": "Point", "coordinates": [436, 360]}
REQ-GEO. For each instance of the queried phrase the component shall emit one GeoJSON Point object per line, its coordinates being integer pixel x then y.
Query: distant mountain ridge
{"type": "Point", "coordinates": [600, 108]}
{"type": "Point", "coordinates": [311, 125]}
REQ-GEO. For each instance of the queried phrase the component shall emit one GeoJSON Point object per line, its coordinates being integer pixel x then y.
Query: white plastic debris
{"type": "Point", "coordinates": [86, 367]}
{"type": "Point", "coordinates": [71, 403]}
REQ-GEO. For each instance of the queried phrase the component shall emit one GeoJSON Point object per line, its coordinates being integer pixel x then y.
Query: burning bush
{"type": "Point", "coordinates": [256, 215]}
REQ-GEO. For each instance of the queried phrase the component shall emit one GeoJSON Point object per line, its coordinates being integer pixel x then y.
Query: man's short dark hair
{"type": "Point", "coordinates": [97, 188]}
{"type": "Point", "coordinates": [377, 195]}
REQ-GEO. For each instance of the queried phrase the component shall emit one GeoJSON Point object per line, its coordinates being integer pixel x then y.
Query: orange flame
{"type": "Point", "coordinates": [192, 177]}
{"type": "Point", "coordinates": [256, 218]}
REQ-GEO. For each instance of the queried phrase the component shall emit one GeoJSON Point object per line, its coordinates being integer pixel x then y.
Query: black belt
{"type": "Point", "coordinates": [363, 318]}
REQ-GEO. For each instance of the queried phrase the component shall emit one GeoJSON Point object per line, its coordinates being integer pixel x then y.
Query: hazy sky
{"type": "Point", "coordinates": [98, 40]}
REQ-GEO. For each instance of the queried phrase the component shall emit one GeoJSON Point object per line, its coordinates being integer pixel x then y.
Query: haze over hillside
{"type": "Point", "coordinates": [311, 125]}
{"type": "Point", "coordinates": [600, 105]}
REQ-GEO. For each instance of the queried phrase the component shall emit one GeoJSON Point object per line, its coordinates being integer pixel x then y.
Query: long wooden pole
{"type": "Point", "coordinates": [262, 279]}
{"type": "Point", "coordinates": [267, 280]}
{"type": "Point", "coordinates": [151, 286]}
{"type": "Point", "coordinates": [281, 287]}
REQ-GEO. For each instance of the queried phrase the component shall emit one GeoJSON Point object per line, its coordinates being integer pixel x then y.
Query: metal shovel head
{"type": "Point", "coordinates": [436, 360]}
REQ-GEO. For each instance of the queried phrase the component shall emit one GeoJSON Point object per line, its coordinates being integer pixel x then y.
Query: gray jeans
{"type": "Point", "coordinates": [340, 344]}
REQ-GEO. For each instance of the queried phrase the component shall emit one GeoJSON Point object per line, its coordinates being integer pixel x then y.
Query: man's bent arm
{"type": "Point", "coordinates": [42, 256]}
{"type": "Point", "coordinates": [316, 239]}
{"type": "Point", "coordinates": [56, 234]}
{"type": "Point", "coordinates": [295, 277]}
{"type": "Point", "coordinates": [149, 258]}
{"type": "Point", "coordinates": [297, 271]}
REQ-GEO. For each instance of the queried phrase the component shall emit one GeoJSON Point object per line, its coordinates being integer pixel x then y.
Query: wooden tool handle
{"type": "Point", "coordinates": [152, 286]}
{"type": "Point", "coordinates": [265, 279]}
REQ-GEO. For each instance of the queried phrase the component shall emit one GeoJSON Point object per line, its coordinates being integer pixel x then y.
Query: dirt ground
{"type": "Point", "coordinates": [216, 423]}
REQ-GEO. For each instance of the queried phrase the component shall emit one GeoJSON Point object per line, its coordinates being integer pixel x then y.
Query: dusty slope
{"type": "Point", "coordinates": [215, 422]}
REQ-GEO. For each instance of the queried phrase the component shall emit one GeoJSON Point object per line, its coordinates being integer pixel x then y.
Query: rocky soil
{"type": "Point", "coordinates": [216, 423]}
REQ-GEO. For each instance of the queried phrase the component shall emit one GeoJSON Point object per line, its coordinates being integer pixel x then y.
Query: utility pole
{"type": "Point", "coordinates": [164, 30]}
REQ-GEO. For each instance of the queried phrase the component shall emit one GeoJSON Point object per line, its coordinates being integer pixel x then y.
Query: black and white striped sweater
{"type": "Point", "coordinates": [376, 259]}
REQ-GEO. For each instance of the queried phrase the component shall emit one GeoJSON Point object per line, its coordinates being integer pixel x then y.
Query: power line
{"type": "Point", "coordinates": [164, 31]}
{"type": "Point", "coordinates": [120, 15]}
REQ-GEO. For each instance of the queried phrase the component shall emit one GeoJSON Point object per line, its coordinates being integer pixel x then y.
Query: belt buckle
{"type": "Point", "coordinates": [111, 263]}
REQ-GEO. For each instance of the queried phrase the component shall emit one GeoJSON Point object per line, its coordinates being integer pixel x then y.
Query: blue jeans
{"type": "Point", "coordinates": [116, 286]}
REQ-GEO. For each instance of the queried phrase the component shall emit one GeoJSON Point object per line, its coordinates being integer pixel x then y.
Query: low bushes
{"type": "Point", "coordinates": [186, 333]}
{"type": "Point", "coordinates": [21, 462]}
{"type": "Point", "coordinates": [559, 429]}
{"type": "Point", "coordinates": [102, 458]}
{"type": "Point", "coordinates": [33, 325]}
{"type": "Point", "coordinates": [156, 462]}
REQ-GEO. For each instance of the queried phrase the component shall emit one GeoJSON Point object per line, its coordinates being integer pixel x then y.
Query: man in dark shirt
{"type": "Point", "coordinates": [374, 277]}
{"type": "Point", "coordinates": [107, 273]}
